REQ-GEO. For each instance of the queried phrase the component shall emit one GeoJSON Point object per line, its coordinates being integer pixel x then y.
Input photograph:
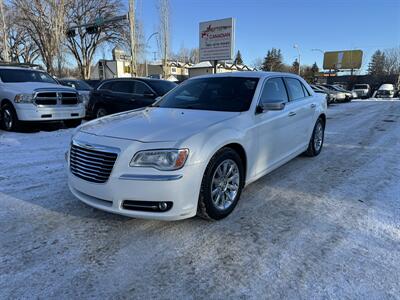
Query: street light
{"type": "Point", "coordinates": [147, 42]}
{"type": "Point", "coordinates": [298, 52]}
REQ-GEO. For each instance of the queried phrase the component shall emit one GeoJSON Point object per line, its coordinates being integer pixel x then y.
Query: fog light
{"type": "Point", "coordinates": [162, 206]}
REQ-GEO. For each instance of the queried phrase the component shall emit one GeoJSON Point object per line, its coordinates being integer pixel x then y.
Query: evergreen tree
{"type": "Point", "coordinates": [238, 59]}
{"type": "Point", "coordinates": [295, 67]}
{"type": "Point", "coordinates": [314, 68]}
{"type": "Point", "coordinates": [376, 65]}
{"type": "Point", "coordinates": [273, 60]}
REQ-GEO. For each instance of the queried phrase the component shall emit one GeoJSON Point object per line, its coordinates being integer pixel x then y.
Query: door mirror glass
{"type": "Point", "coordinates": [278, 105]}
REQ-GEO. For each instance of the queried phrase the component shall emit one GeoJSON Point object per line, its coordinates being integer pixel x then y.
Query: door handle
{"type": "Point", "coordinates": [291, 114]}
{"type": "Point", "coordinates": [313, 105]}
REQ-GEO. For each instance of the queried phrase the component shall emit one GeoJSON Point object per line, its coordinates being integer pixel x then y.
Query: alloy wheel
{"type": "Point", "coordinates": [225, 184]}
{"type": "Point", "coordinates": [318, 136]}
{"type": "Point", "coordinates": [7, 117]}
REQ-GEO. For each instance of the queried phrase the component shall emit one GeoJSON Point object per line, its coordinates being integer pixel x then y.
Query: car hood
{"type": "Point", "coordinates": [30, 87]}
{"type": "Point", "coordinates": [155, 124]}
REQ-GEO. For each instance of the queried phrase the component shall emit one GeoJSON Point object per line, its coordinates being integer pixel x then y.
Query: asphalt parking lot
{"type": "Point", "coordinates": [326, 227]}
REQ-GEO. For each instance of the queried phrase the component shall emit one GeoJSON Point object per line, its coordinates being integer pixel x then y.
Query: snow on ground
{"type": "Point", "coordinates": [325, 227]}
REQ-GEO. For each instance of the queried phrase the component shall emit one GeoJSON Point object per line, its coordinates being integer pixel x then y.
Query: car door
{"type": "Point", "coordinates": [272, 126]}
{"type": "Point", "coordinates": [143, 95]}
{"type": "Point", "coordinates": [120, 98]}
{"type": "Point", "coordinates": [300, 111]}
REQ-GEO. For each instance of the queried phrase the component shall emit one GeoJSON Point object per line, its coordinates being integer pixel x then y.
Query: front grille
{"type": "Point", "coordinates": [69, 98]}
{"type": "Point", "coordinates": [54, 98]}
{"type": "Point", "coordinates": [90, 163]}
{"type": "Point", "coordinates": [46, 98]}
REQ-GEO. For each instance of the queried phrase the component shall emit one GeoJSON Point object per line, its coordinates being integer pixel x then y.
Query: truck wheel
{"type": "Point", "coordinates": [9, 118]}
{"type": "Point", "coordinates": [72, 123]}
{"type": "Point", "coordinates": [221, 186]}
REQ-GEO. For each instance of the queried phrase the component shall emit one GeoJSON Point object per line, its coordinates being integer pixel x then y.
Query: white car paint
{"type": "Point", "coordinates": [33, 112]}
{"type": "Point", "coordinates": [269, 140]}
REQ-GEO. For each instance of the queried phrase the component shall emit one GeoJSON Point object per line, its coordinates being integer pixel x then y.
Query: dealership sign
{"type": "Point", "coordinates": [217, 39]}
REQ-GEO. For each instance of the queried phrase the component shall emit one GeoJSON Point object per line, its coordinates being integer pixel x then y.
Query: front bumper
{"type": "Point", "coordinates": [31, 112]}
{"type": "Point", "coordinates": [181, 187]}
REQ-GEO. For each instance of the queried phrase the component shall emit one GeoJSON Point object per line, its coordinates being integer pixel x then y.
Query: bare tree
{"type": "Point", "coordinates": [44, 21]}
{"type": "Point", "coordinates": [84, 45]}
{"type": "Point", "coordinates": [391, 63]}
{"type": "Point", "coordinates": [163, 38]}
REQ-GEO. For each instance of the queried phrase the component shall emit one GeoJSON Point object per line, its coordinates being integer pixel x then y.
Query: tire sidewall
{"type": "Point", "coordinates": [315, 151]}
{"type": "Point", "coordinates": [13, 116]}
{"type": "Point", "coordinates": [100, 109]}
{"type": "Point", "coordinates": [205, 193]}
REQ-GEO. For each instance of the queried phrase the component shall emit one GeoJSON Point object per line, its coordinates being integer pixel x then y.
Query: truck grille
{"type": "Point", "coordinates": [54, 98]}
{"type": "Point", "coordinates": [91, 163]}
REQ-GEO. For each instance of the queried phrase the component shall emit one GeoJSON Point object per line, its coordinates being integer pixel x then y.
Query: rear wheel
{"type": "Point", "coordinates": [9, 118]}
{"type": "Point", "coordinates": [317, 139]}
{"type": "Point", "coordinates": [73, 123]}
{"type": "Point", "coordinates": [221, 186]}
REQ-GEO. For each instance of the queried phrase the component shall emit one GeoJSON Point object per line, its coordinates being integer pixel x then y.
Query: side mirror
{"type": "Point", "coordinates": [270, 106]}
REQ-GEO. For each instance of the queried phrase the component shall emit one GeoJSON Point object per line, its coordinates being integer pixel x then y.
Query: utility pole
{"type": "Point", "coordinates": [132, 35]}
{"type": "Point", "coordinates": [6, 57]}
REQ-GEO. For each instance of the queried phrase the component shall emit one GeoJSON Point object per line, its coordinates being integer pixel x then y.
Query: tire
{"type": "Point", "coordinates": [100, 112]}
{"type": "Point", "coordinates": [9, 118]}
{"type": "Point", "coordinates": [317, 139]}
{"type": "Point", "coordinates": [218, 205]}
{"type": "Point", "coordinates": [72, 123]}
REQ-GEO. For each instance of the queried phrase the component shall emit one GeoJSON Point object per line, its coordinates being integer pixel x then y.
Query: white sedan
{"type": "Point", "coordinates": [194, 150]}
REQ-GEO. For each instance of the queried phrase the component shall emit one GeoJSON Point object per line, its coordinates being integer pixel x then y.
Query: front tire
{"type": "Point", "coordinates": [100, 112]}
{"type": "Point", "coordinates": [9, 118]}
{"type": "Point", "coordinates": [72, 123]}
{"type": "Point", "coordinates": [317, 139]}
{"type": "Point", "coordinates": [221, 186]}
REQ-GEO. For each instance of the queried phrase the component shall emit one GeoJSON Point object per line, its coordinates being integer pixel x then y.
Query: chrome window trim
{"type": "Point", "coordinates": [97, 147]}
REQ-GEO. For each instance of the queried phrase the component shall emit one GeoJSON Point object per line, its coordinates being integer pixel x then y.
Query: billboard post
{"type": "Point", "coordinates": [216, 40]}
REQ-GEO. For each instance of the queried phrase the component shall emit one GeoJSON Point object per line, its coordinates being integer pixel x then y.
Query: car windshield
{"type": "Point", "coordinates": [325, 89]}
{"type": "Point", "coordinates": [340, 89]}
{"type": "Point", "coordinates": [360, 87]}
{"type": "Point", "coordinates": [161, 86]}
{"type": "Point", "coordinates": [11, 76]}
{"type": "Point", "coordinates": [215, 93]}
{"type": "Point", "coordinates": [77, 84]}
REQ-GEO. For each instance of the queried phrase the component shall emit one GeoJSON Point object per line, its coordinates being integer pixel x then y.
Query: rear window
{"type": "Point", "coordinates": [162, 87]}
{"type": "Point", "coordinates": [360, 87]}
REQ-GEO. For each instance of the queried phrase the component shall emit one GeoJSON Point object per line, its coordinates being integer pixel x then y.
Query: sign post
{"type": "Point", "coordinates": [216, 40]}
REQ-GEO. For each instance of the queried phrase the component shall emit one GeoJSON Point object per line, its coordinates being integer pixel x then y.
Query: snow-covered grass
{"type": "Point", "coordinates": [325, 227]}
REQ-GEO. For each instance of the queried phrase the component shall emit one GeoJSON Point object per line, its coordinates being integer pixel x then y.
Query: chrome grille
{"type": "Point", "coordinates": [92, 163]}
{"type": "Point", "coordinates": [54, 98]}
{"type": "Point", "coordinates": [69, 98]}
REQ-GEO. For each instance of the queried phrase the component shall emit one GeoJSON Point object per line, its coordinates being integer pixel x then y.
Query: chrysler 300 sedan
{"type": "Point", "coordinates": [193, 151]}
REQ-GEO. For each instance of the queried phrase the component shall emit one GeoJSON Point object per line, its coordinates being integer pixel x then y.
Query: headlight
{"type": "Point", "coordinates": [164, 160]}
{"type": "Point", "coordinates": [23, 98]}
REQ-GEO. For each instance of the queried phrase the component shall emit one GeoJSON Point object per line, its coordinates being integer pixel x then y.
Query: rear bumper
{"type": "Point", "coordinates": [31, 112]}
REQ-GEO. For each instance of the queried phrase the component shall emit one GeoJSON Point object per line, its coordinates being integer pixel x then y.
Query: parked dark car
{"type": "Point", "coordinates": [122, 94]}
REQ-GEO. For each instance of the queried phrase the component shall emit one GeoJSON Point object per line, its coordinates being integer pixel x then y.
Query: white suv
{"type": "Point", "coordinates": [33, 95]}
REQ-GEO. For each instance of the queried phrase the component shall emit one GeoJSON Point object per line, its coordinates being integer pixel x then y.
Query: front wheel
{"type": "Point", "coordinates": [9, 119]}
{"type": "Point", "coordinates": [317, 139]}
{"type": "Point", "coordinates": [221, 186]}
{"type": "Point", "coordinates": [73, 123]}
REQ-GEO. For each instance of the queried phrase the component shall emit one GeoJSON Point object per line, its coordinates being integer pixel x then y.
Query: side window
{"type": "Point", "coordinates": [141, 88]}
{"type": "Point", "coordinates": [295, 88]}
{"type": "Point", "coordinates": [105, 86]}
{"type": "Point", "coordinates": [122, 87]}
{"type": "Point", "coordinates": [306, 92]}
{"type": "Point", "coordinates": [274, 91]}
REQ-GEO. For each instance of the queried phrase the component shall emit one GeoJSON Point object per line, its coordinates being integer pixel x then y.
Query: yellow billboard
{"type": "Point", "coordinates": [343, 60]}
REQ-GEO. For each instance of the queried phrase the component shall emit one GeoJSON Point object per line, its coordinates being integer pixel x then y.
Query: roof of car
{"type": "Point", "coordinates": [255, 74]}
{"type": "Point", "coordinates": [136, 78]}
